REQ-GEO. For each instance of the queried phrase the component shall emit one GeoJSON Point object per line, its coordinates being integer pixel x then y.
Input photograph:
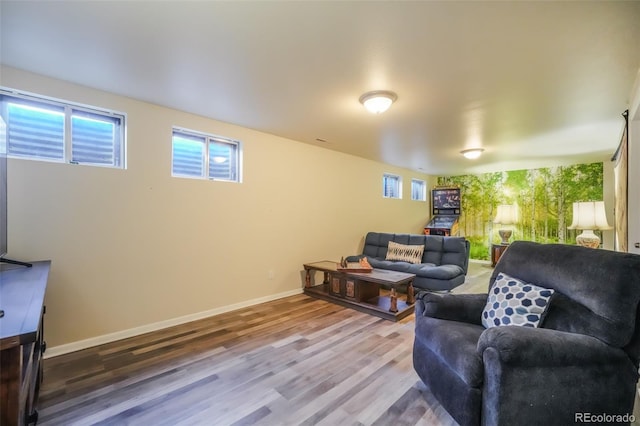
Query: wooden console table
{"type": "Point", "coordinates": [361, 290]}
{"type": "Point", "coordinates": [22, 343]}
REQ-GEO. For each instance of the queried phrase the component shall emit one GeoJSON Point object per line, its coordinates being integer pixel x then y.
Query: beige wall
{"type": "Point", "coordinates": [136, 247]}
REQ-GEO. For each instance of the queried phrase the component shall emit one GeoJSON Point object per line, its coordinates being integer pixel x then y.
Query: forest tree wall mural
{"type": "Point", "coordinates": [544, 199]}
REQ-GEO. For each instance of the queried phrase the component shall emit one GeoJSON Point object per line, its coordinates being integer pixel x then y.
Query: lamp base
{"type": "Point", "coordinates": [588, 239]}
{"type": "Point", "coordinates": [505, 234]}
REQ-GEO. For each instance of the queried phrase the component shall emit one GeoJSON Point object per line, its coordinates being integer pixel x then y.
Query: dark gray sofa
{"type": "Point", "coordinates": [444, 262]}
{"type": "Point", "coordinates": [582, 360]}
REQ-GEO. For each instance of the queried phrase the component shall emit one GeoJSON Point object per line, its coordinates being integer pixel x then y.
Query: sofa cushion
{"type": "Point", "coordinates": [514, 302]}
{"type": "Point", "coordinates": [391, 265]}
{"type": "Point", "coordinates": [433, 250]}
{"type": "Point", "coordinates": [375, 245]}
{"type": "Point", "coordinates": [442, 272]}
{"type": "Point", "coordinates": [454, 252]}
{"type": "Point", "coordinates": [405, 253]}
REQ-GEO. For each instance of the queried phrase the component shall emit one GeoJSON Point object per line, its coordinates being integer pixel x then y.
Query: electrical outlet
{"type": "Point", "coordinates": [272, 274]}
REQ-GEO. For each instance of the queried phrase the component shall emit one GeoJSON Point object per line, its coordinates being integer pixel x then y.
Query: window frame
{"type": "Point", "coordinates": [398, 185]}
{"type": "Point", "coordinates": [69, 110]}
{"type": "Point", "coordinates": [423, 185]}
{"type": "Point", "coordinates": [208, 140]}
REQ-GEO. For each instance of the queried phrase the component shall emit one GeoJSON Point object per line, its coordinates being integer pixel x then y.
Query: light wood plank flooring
{"type": "Point", "coordinates": [296, 360]}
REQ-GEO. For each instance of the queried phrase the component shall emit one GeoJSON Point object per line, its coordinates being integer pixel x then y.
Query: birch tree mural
{"type": "Point", "coordinates": [544, 199]}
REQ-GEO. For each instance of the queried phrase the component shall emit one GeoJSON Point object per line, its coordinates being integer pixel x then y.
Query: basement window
{"type": "Point", "coordinates": [49, 129]}
{"type": "Point", "coordinates": [203, 156]}
{"type": "Point", "coordinates": [391, 186]}
{"type": "Point", "coordinates": [418, 190]}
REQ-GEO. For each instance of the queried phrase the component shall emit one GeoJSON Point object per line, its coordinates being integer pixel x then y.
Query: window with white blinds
{"type": "Point", "coordinates": [53, 130]}
{"type": "Point", "coordinates": [203, 156]}
{"type": "Point", "coordinates": [391, 186]}
{"type": "Point", "coordinates": [418, 190]}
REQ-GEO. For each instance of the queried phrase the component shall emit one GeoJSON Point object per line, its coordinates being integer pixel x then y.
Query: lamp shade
{"type": "Point", "coordinates": [589, 215]}
{"type": "Point", "coordinates": [506, 215]}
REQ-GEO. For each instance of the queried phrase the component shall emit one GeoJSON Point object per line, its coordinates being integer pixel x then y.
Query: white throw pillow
{"type": "Point", "coordinates": [405, 253]}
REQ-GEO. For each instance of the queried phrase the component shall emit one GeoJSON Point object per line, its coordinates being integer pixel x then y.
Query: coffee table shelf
{"type": "Point", "coordinates": [361, 291]}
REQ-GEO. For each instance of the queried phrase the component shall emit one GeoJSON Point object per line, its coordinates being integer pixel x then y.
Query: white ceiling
{"type": "Point", "coordinates": [533, 83]}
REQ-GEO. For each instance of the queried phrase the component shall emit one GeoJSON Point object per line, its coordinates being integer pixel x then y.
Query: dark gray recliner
{"type": "Point", "coordinates": [582, 359]}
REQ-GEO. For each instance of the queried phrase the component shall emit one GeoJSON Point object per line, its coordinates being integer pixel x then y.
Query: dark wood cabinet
{"type": "Point", "coordinates": [351, 288]}
{"type": "Point", "coordinates": [22, 342]}
{"type": "Point", "coordinates": [496, 252]}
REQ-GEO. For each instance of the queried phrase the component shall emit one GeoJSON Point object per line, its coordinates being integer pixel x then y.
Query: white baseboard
{"type": "Point", "coordinates": [124, 334]}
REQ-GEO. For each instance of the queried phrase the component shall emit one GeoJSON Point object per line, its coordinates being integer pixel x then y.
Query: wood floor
{"type": "Point", "coordinates": [297, 360]}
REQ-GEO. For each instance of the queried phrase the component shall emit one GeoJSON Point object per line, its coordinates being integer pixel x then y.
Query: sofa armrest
{"type": "Point", "coordinates": [542, 347]}
{"type": "Point", "coordinates": [455, 307]}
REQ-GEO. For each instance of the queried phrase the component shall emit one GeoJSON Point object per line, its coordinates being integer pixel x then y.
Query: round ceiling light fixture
{"type": "Point", "coordinates": [472, 153]}
{"type": "Point", "coordinates": [378, 101]}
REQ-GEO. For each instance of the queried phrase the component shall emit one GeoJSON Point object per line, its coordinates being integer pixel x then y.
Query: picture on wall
{"type": "Point", "coordinates": [542, 198]}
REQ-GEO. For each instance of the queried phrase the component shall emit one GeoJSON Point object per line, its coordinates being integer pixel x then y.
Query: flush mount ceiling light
{"type": "Point", "coordinates": [472, 153]}
{"type": "Point", "coordinates": [378, 101]}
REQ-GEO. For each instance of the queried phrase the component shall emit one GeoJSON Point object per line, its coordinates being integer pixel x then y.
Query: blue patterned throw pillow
{"type": "Point", "coordinates": [513, 302]}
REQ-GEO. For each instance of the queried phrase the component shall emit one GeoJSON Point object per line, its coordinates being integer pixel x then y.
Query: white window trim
{"type": "Point", "coordinates": [424, 190]}
{"type": "Point", "coordinates": [399, 179]}
{"type": "Point", "coordinates": [208, 137]}
{"type": "Point", "coordinates": [68, 107]}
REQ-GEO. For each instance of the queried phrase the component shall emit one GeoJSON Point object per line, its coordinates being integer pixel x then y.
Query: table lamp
{"type": "Point", "coordinates": [506, 216]}
{"type": "Point", "coordinates": [588, 216]}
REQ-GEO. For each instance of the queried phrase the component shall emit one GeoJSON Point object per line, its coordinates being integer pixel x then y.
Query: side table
{"type": "Point", "coordinates": [496, 252]}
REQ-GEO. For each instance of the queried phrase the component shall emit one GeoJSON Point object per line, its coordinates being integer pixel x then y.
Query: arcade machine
{"type": "Point", "coordinates": [446, 210]}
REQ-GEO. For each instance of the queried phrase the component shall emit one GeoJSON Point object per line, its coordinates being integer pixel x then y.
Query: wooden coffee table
{"type": "Point", "coordinates": [361, 290]}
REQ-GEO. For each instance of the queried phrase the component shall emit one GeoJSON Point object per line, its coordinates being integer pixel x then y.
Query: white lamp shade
{"type": "Point", "coordinates": [507, 214]}
{"type": "Point", "coordinates": [589, 215]}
